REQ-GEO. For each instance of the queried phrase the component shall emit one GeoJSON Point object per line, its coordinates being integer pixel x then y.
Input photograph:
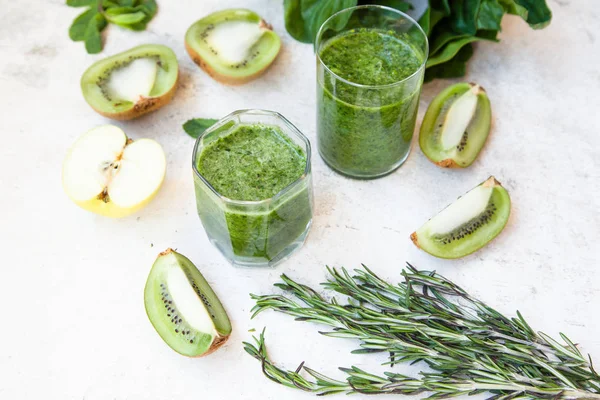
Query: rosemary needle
{"type": "Point", "coordinates": [471, 347]}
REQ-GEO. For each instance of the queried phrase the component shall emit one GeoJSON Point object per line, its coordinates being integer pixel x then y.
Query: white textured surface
{"type": "Point", "coordinates": [72, 307]}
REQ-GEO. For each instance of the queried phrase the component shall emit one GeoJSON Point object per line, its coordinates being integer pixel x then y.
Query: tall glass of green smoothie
{"type": "Point", "coordinates": [252, 177]}
{"type": "Point", "coordinates": [370, 66]}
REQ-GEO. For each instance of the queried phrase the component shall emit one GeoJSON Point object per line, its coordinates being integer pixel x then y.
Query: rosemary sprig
{"type": "Point", "coordinates": [471, 347]}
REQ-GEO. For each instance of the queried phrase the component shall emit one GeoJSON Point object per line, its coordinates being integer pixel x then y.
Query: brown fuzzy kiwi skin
{"type": "Point", "coordinates": [415, 239]}
{"type": "Point", "coordinates": [447, 163]}
{"type": "Point", "coordinates": [143, 106]}
{"type": "Point", "coordinates": [216, 345]}
{"type": "Point", "coordinates": [228, 80]}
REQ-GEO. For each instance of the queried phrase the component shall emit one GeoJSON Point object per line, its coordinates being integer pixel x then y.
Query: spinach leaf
{"type": "Point", "coordinates": [400, 5]}
{"type": "Point", "coordinates": [513, 8]}
{"type": "Point", "coordinates": [454, 68]}
{"type": "Point", "coordinates": [441, 5]}
{"type": "Point", "coordinates": [196, 127]}
{"type": "Point", "coordinates": [425, 21]}
{"type": "Point", "coordinates": [490, 15]}
{"type": "Point", "coordinates": [537, 14]}
{"type": "Point", "coordinates": [450, 50]}
{"type": "Point", "coordinates": [464, 16]}
{"type": "Point", "coordinates": [293, 21]}
{"type": "Point", "coordinates": [451, 25]}
{"type": "Point", "coordinates": [303, 18]}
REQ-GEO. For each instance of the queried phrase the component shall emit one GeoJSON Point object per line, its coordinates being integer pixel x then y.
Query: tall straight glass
{"type": "Point", "coordinates": [255, 233]}
{"type": "Point", "coordinates": [370, 67]}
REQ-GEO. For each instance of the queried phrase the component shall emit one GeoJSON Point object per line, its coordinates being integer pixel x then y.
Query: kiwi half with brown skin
{"type": "Point", "coordinates": [468, 224]}
{"type": "Point", "coordinates": [233, 46]}
{"type": "Point", "coordinates": [183, 308]}
{"type": "Point", "coordinates": [133, 83]}
{"type": "Point", "coordinates": [456, 125]}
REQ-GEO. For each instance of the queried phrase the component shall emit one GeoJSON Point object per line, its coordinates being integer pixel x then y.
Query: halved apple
{"type": "Point", "coordinates": [109, 174]}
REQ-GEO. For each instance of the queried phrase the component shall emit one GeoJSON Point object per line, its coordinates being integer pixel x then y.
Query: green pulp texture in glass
{"type": "Point", "coordinates": [365, 131]}
{"type": "Point", "coordinates": [370, 57]}
{"type": "Point", "coordinates": [254, 162]}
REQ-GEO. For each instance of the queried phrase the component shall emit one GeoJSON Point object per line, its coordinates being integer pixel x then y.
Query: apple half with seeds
{"type": "Point", "coordinates": [109, 174]}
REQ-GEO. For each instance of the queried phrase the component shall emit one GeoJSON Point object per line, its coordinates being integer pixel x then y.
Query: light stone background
{"type": "Point", "coordinates": [73, 321]}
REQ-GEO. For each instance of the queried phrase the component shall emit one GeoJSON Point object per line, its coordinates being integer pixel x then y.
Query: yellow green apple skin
{"type": "Point", "coordinates": [109, 174]}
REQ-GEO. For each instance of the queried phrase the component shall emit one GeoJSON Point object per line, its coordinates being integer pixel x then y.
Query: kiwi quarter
{"type": "Point", "coordinates": [183, 308]}
{"type": "Point", "coordinates": [456, 125]}
{"type": "Point", "coordinates": [468, 224]}
{"type": "Point", "coordinates": [233, 46]}
{"type": "Point", "coordinates": [130, 84]}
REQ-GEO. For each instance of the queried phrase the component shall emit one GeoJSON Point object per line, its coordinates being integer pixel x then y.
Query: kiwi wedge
{"type": "Point", "coordinates": [468, 224]}
{"type": "Point", "coordinates": [456, 125]}
{"type": "Point", "coordinates": [183, 308]}
{"type": "Point", "coordinates": [233, 46]}
{"type": "Point", "coordinates": [131, 83]}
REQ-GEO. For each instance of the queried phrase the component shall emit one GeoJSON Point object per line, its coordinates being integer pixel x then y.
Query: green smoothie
{"type": "Point", "coordinates": [365, 120]}
{"type": "Point", "coordinates": [253, 163]}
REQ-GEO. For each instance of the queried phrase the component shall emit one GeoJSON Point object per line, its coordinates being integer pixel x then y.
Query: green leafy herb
{"type": "Point", "coordinates": [303, 18]}
{"type": "Point", "coordinates": [88, 26]}
{"type": "Point", "coordinates": [470, 347]}
{"type": "Point", "coordinates": [196, 127]}
{"type": "Point", "coordinates": [450, 25]}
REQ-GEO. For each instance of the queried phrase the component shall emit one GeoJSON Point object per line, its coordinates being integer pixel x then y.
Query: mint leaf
{"type": "Point", "coordinates": [79, 25]}
{"type": "Point", "coordinates": [93, 39]}
{"type": "Point", "coordinates": [81, 3]}
{"type": "Point", "coordinates": [124, 16]}
{"type": "Point", "coordinates": [196, 127]}
{"type": "Point", "coordinates": [127, 19]}
{"type": "Point", "coordinates": [132, 14]}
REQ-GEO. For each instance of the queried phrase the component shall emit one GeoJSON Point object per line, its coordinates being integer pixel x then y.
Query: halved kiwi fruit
{"type": "Point", "coordinates": [468, 224]}
{"type": "Point", "coordinates": [183, 308]}
{"type": "Point", "coordinates": [456, 125]}
{"type": "Point", "coordinates": [233, 46]}
{"type": "Point", "coordinates": [131, 83]}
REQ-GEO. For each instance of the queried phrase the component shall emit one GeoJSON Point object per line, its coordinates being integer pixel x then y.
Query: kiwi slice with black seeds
{"type": "Point", "coordinates": [456, 125]}
{"type": "Point", "coordinates": [233, 46]}
{"type": "Point", "coordinates": [130, 84]}
{"type": "Point", "coordinates": [182, 307]}
{"type": "Point", "coordinates": [468, 224]}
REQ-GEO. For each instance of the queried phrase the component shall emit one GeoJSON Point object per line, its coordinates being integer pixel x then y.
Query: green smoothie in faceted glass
{"type": "Point", "coordinates": [253, 187]}
{"type": "Point", "coordinates": [370, 66]}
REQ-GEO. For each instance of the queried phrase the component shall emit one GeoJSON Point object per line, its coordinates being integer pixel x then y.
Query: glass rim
{"type": "Point", "coordinates": [380, 7]}
{"type": "Point", "coordinates": [282, 192]}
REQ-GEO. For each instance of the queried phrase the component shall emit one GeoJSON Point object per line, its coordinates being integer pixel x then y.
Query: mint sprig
{"type": "Point", "coordinates": [196, 127]}
{"type": "Point", "coordinates": [130, 14]}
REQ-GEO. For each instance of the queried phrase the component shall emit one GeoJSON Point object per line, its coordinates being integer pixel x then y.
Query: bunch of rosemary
{"type": "Point", "coordinates": [471, 347]}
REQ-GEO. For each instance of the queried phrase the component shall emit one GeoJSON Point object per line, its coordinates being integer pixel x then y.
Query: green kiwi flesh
{"type": "Point", "coordinates": [96, 80]}
{"type": "Point", "coordinates": [456, 125]}
{"type": "Point", "coordinates": [233, 46]}
{"type": "Point", "coordinates": [183, 308]}
{"type": "Point", "coordinates": [468, 224]}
